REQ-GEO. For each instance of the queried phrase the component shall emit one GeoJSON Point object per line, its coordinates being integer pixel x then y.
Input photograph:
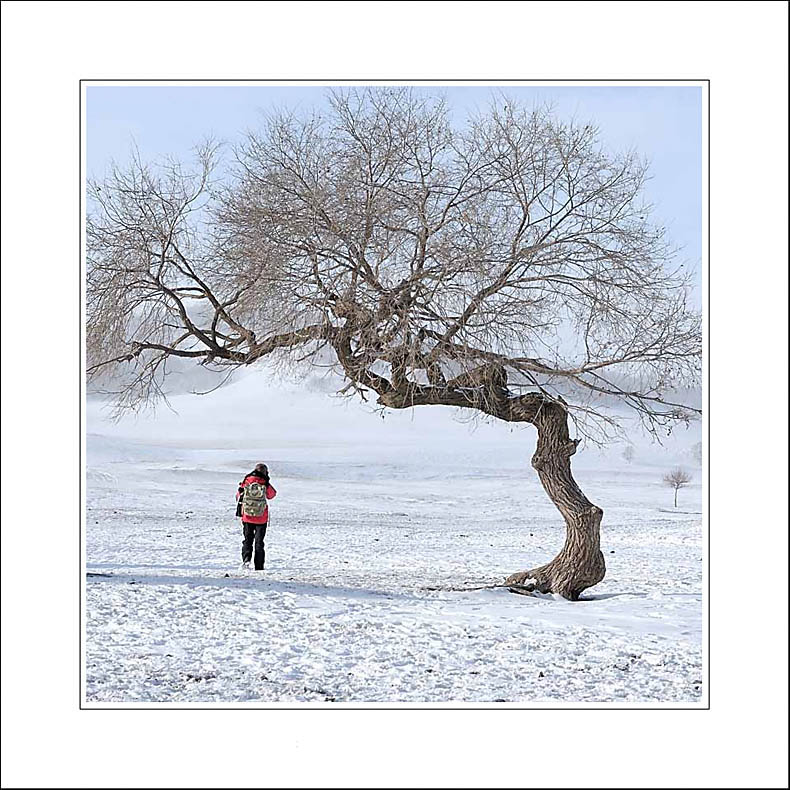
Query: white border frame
{"type": "Point", "coordinates": [704, 703]}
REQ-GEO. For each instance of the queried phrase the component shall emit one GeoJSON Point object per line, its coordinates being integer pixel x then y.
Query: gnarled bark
{"type": "Point", "coordinates": [580, 563]}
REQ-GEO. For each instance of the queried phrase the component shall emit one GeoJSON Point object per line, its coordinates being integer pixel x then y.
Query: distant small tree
{"type": "Point", "coordinates": [628, 453]}
{"type": "Point", "coordinates": [696, 452]}
{"type": "Point", "coordinates": [677, 479]}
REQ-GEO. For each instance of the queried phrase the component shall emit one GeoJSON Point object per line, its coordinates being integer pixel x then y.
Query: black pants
{"type": "Point", "coordinates": [254, 533]}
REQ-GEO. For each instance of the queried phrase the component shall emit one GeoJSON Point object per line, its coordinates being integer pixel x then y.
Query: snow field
{"type": "Point", "coordinates": [370, 515]}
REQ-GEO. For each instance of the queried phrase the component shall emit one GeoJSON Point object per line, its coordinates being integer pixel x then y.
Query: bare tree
{"type": "Point", "coordinates": [508, 267]}
{"type": "Point", "coordinates": [678, 478]}
{"type": "Point", "coordinates": [629, 453]}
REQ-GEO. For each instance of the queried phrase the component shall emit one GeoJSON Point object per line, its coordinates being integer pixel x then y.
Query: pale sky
{"type": "Point", "coordinates": [663, 123]}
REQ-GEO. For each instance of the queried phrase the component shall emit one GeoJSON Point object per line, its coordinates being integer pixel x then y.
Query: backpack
{"type": "Point", "coordinates": [254, 502]}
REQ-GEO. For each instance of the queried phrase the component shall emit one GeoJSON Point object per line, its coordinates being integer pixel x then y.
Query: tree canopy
{"type": "Point", "coordinates": [432, 260]}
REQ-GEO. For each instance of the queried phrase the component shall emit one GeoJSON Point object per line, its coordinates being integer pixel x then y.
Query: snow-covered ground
{"type": "Point", "coordinates": [371, 514]}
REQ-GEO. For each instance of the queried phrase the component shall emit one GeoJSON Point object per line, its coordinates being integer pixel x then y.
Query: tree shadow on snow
{"type": "Point", "coordinates": [248, 583]}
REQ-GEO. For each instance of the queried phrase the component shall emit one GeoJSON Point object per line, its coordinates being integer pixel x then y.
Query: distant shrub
{"type": "Point", "coordinates": [677, 479]}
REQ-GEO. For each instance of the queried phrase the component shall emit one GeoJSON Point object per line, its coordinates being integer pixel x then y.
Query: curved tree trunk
{"type": "Point", "coordinates": [580, 563]}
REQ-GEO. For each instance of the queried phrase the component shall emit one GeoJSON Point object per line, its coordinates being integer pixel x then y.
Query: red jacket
{"type": "Point", "coordinates": [270, 494]}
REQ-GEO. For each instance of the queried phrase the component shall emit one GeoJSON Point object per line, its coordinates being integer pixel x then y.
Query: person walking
{"type": "Point", "coordinates": [252, 498]}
